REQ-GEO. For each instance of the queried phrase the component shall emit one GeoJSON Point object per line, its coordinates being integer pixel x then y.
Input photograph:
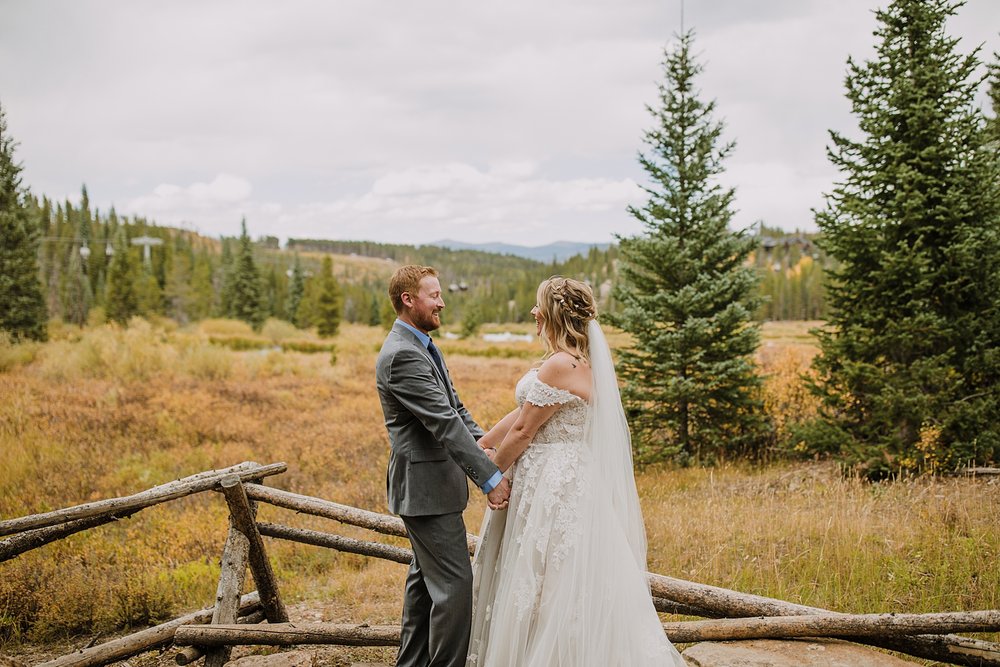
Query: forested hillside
{"type": "Point", "coordinates": [187, 277]}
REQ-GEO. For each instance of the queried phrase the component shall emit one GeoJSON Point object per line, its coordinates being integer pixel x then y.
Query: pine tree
{"type": "Point", "coordinates": [296, 289]}
{"type": "Point", "coordinates": [247, 302]}
{"type": "Point", "coordinates": [203, 293]}
{"type": "Point", "coordinates": [77, 293]}
{"type": "Point", "coordinates": [121, 301]}
{"type": "Point", "coordinates": [685, 292]}
{"type": "Point", "coordinates": [77, 297]}
{"type": "Point", "coordinates": [910, 369]}
{"type": "Point", "coordinates": [22, 307]}
{"type": "Point", "coordinates": [328, 301]}
{"type": "Point", "coordinates": [225, 278]}
{"type": "Point", "coordinates": [994, 92]}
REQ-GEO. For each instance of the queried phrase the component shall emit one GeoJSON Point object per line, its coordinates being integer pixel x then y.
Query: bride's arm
{"type": "Point", "coordinates": [495, 435]}
{"type": "Point", "coordinates": [529, 419]}
{"type": "Point", "coordinates": [555, 372]}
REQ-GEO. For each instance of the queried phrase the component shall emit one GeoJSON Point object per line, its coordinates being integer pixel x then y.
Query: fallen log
{"type": "Point", "coordinates": [124, 505]}
{"type": "Point", "coordinates": [285, 634]}
{"type": "Point", "coordinates": [260, 567]}
{"type": "Point", "coordinates": [949, 648]}
{"type": "Point", "coordinates": [142, 641]}
{"type": "Point", "coordinates": [190, 654]}
{"type": "Point", "coordinates": [832, 625]}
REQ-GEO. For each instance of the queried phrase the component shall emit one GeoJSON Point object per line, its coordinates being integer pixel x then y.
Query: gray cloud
{"type": "Point", "coordinates": [509, 121]}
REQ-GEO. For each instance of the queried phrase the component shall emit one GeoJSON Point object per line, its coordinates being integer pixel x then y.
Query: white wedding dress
{"type": "Point", "coordinates": [557, 581]}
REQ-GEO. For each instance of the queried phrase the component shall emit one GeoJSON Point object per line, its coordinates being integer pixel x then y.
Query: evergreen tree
{"type": "Point", "coordinates": [328, 301]}
{"type": "Point", "coordinates": [149, 296]}
{"type": "Point", "coordinates": [77, 294]}
{"type": "Point", "coordinates": [686, 293]}
{"type": "Point", "coordinates": [121, 301]}
{"type": "Point", "coordinates": [910, 369]}
{"type": "Point", "coordinates": [226, 279]}
{"type": "Point", "coordinates": [296, 289]}
{"type": "Point", "coordinates": [247, 302]}
{"type": "Point", "coordinates": [203, 293]}
{"type": "Point", "coordinates": [994, 92]}
{"type": "Point", "coordinates": [77, 297]}
{"type": "Point", "coordinates": [22, 306]}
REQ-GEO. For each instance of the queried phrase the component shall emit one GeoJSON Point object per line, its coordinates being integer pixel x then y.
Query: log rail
{"type": "Point", "coordinates": [233, 620]}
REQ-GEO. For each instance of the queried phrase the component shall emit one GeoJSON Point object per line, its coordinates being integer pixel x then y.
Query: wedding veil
{"type": "Point", "coordinates": [607, 437]}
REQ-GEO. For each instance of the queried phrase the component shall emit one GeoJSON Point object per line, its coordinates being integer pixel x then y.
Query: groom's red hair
{"type": "Point", "coordinates": [407, 279]}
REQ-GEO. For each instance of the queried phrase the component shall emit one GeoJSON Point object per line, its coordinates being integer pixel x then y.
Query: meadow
{"type": "Point", "coordinates": [108, 411]}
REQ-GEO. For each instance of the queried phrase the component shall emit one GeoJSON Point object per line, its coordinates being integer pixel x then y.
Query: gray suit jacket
{"type": "Point", "coordinates": [432, 435]}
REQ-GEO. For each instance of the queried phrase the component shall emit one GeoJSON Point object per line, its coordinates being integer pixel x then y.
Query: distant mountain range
{"type": "Point", "coordinates": [560, 250]}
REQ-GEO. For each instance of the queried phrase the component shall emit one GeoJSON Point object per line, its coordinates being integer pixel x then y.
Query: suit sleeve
{"type": "Point", "coordinates": [413, 384]}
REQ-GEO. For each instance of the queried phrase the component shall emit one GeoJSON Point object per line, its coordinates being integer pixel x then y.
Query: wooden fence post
{"type": "Point", "coordinates": [260, 567]}
{"type": "Point", "coordinates": [227, 595]}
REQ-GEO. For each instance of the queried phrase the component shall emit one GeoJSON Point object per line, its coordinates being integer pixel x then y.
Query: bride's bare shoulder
{"type": "Point", "coordinates": [564, 371]}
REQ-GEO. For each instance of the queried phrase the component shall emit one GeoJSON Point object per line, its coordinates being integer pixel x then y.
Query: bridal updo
{"type": "Point", "coordinates": [566, 306]}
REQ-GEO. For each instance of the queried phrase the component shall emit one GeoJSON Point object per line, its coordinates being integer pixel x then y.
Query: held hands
{"type": "Point", "coordinates": [499, 497]}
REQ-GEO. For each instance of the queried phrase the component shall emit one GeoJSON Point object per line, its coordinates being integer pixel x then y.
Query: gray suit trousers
{"type": "Point", "coordinates": [437, 603]}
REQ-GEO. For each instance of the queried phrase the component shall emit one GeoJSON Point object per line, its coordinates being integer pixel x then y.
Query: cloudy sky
{"type": "Point", "coordinates": [411, 122]}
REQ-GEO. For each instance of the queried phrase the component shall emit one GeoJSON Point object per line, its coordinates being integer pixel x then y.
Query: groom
{"type": "Point", "coordinates": [433, 448]}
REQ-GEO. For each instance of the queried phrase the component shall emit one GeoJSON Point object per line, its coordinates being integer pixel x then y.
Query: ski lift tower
{"type": "Point", "coordinates": [146, 242]}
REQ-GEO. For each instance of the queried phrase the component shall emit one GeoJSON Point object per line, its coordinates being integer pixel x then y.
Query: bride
{"type": "Point", "coordinates": [559, 575]}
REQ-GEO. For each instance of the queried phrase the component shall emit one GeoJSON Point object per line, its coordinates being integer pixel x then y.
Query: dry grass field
{"type": "Point", "coordinates": [107, 412]}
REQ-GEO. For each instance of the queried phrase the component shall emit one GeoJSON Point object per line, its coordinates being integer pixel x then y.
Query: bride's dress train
{"type": "Point", "coordinates": [559, 579]}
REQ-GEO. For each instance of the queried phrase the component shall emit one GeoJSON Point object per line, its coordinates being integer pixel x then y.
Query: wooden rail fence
{"type": "Point", "coordinates": [260, 617]}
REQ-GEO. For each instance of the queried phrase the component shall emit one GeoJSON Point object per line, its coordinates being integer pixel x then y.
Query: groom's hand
{"type": "Point", "coordinates": [499, 497]}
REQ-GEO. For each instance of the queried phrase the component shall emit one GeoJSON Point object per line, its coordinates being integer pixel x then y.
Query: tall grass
{"type": "Point", "coordinates": [110, 411]}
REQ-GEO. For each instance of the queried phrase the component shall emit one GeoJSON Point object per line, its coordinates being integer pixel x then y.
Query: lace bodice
{"type": "Point", "coordinates": [567, 423]}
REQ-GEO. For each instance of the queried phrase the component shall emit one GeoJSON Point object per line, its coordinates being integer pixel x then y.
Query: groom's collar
{"type": "Point", "coordinates": [421, 336]}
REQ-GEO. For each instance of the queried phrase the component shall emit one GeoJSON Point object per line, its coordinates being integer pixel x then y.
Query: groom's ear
{"type": "Point", "coordinates": [406, 299]}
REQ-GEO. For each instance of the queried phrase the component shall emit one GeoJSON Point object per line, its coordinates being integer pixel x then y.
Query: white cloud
{"type": "Point", "coordinates": [176, 203]}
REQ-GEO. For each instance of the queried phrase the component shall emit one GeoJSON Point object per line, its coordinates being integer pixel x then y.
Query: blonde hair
{"type": "Point", "coordinates": [407, 279]}
{"type": "Point", "coordinates": [566, 306]}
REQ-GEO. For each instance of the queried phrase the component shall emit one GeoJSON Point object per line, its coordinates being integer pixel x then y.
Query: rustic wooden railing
{"type": "Point", "coordinates": [260, 617]}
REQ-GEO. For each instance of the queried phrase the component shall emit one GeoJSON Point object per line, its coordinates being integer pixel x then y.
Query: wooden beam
{"type": "Point", "coordinates": [227, 595]}
{"type": "Point", "coordinates": [190, 654]}
{"type": "Point", "coordinates": [381, 523]}
{"type": "Point", "coordinates": [338, 542]}
{"type": "Point", "coordinates": [832, 625]}
{"type": "Point", "coordinates": [15, 545]}
{"type": "Point", "coordinates": [286, 634]}
{"type": "Point", "coordinates": [260, 566]}
{"type": "Point", "coordinates": [142, 641]}
{"type": "Point", "coordinates": [125, 505]}
{"type": "Point", "coordinates": [352, 516]}
{"type": "Point", "coordinates": [725, 603]}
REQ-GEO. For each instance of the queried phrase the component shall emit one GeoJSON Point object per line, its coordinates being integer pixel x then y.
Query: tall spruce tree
{"type": "Point", "coordinates": [909, 374]}
{"type": "Point", "coordinates": [686, 293]}
{"type": "Point", "coordinates": [247, 298]}
{"type": "Point", "coordinates": [296, 289]}
{"type": "Point", "coordinates": [23, 314]}
{"type": "Point", "coordinates": [121, 301]}
{"type": "Point", "coordinates": [328, 301]}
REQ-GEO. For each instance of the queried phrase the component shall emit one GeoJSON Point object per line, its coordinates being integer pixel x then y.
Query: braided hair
{"type": "Point", "coordinates": [566, 306]}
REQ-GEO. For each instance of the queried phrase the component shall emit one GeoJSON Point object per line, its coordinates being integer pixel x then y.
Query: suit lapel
{"type": "Point", "coordinates": [411, 339]}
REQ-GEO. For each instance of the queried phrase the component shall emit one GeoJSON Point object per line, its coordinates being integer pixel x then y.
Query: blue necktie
{"type": "Point", "coordinates": [436, 356]}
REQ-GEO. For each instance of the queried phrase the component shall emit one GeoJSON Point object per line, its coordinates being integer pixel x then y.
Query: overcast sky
{"type": "Point", "coordinates": [417, 121]}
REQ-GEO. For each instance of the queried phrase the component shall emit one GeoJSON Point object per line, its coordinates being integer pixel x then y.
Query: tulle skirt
{"type": "Point", "coordinates": [556, 583]}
